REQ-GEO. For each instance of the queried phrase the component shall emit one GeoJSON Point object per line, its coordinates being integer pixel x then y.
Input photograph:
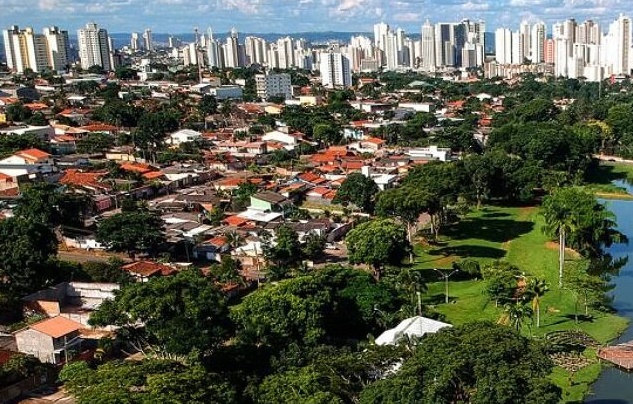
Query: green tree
{"type": "Point", "coordinates": [514, 314]}
{"type": "Point", "coordinates": [146, 381]}
{"type": "Point", "coordinates": [358, 190]}
{"type": "Point", "coordinates": [303, 385]}
{"type": "Point", "coordinates": [242, 195]}
{"type": "Point", "coordinates": [131, 232]}
{"type": "Point", "coordinates": [284, 251]}
{"type": "Point", "coordinates": [181, 313]}
{"type": "Point", "coordinates": [208, 105]}
{"type": "Point", "coordinates": [476, 363]}
{"type": "Point", "coordinates": [95, 143]}
{"type": "Point", "coordinates": [574, 214]}
{"type": "Point", "coordinates": [109, 271]}
{"type": "Point", "coordinates": [405, 202]}
{"type": "Point", "coordinates": [377, 243]}
{"type": "Point", "coordinates": [536, 288]}
{"type": "Point", "coordinates": [17, 112]}
{"type": "Point", "coordinates": [26, 249]}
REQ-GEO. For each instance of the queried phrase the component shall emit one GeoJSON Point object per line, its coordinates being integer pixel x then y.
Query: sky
{"type": "Point", "coordinates": [287, 16]}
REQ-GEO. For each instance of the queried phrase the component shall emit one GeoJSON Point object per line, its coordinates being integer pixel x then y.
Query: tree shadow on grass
{"type": "Point", "coordinates": [471, 251]}
{"type": "Point", "coordinates": [491, 215]}
{"type": "Point", "coordinates": [489, 229]}
{"type": "Point", "coordinates": [604, 175]}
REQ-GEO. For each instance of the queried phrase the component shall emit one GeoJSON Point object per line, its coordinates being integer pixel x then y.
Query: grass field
{"type": "Point", "coordinates": [513, 235]}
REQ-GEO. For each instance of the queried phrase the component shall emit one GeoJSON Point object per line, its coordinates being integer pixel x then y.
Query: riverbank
{"type": "Point", "coordinates": [514, 235]}
{"type": "Point", "coordinates": [605, 180]}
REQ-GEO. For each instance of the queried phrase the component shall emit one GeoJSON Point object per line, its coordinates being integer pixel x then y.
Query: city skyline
{"type": "Point", "coordinates": [288, 16]}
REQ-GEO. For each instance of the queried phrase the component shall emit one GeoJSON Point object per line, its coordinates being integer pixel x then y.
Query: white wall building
{"type": "Point", "coordinates": [269, 85]}
{"type": "Point", "coordinates": [94, 48]}
{"type": "Point", "coordinates": [335, 70]}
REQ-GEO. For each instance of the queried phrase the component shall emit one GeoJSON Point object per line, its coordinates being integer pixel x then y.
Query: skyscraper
{"type": "Point", "coordinates": [58, 48]}
{"type": "Point", "coordinates": [503, 46]}
{"type": "Point", "coordinates": [134, 42]}
{"type": "Point", "coordinates": [93, 47]}
{"type": "Point", "coordinates": [25, 49]}
{"type": "Point", "coordinates": [335, 70]}
{"type": "Point", "coordinates": [428, 47]}
{"type": "Point", "coordinates": [537, 43]}
{"type": "Point", "coordinates": [147, 40]}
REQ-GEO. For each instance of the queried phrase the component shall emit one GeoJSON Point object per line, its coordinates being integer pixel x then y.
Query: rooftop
{"type": "Point", "coordinates": [56, 327]}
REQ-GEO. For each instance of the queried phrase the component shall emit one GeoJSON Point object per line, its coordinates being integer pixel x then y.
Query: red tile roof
{"type": "Point", "coordinates": [33, 154]}
{"type": "Point", "coordinates": [235, 221]}
{"type": "Point", "coordinates": [73, 176]}
{"type": "Point", "coordinates": [56, 327]}
{"type": "Point", "coordinates": [148, 268]}
{"type": "Point", "coordinates": [99, 127]}
{"type": "Point", "coordinates": [136, 167]}
{"type": "Point", "coordinates": [218, 241]}
{"type": "Point", "coordinates": [152, 175]}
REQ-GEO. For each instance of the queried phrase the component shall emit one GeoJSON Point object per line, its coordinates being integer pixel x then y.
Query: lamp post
{"type": "Point", "coordinates": [446, 275]}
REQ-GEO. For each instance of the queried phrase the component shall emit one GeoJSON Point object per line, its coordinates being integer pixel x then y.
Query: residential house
{"type": "Point", "coordinates": [53, 340]}
{"type": "Point", "coordinates": [184, 136]}
{"type": "Point", "coordinates": [212, 249]}
{"type": "Point", "coordinates": [142, 271]}
{"type": "Point", "coordinates": [73, 300]}
{"type": "Point", "coordinates": [29, 162]}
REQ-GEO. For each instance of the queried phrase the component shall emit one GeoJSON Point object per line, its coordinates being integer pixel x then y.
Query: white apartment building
{"type": "Point", "coordinates": [335, 70]}
{"type": "Point", "coordinates": [25, 49]}
{"type": "Point", "coordinates": [94, 48]}
{"type": "Point", "coordinates": [269, 85]}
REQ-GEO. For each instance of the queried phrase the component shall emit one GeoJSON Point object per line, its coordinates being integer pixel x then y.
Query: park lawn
{"type": "Point", "coordinates": [514, 235]}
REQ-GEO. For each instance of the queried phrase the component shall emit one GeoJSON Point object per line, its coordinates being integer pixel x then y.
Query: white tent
{"type": "Point", "coordinates": [411, 327]}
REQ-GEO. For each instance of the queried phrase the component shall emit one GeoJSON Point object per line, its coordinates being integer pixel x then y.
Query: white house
{"type": "Point", "coordinates": [183, 136]}
{"type": "Point", "coordinates": [431, 153]}
{"type": "Point", "coordinates": [27, 162]}
{"type": "Point", "coordinates": [287, 139]}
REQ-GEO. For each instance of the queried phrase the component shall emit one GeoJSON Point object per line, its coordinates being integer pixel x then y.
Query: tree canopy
{"type": "Point", "coordinates": [180, 313]}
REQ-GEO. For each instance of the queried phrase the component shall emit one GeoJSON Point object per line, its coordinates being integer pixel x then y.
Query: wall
{"type": "Point", "coordinates": [35, 343]}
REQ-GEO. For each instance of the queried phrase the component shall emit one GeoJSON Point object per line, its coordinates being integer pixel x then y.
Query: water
{"type": "Point", "coordinates": [615, 386]}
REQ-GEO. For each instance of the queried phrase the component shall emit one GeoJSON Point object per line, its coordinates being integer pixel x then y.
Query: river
{"type": "Point", "coordinates": [615, 386]}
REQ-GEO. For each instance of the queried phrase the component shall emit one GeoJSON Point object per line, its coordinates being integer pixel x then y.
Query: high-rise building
{"type": "Point", "coordinates": [618, 46]}
{"type": "Point", "coordinates": [428, 47]}
{"type": "Point", "coordinates": [94, 49]}
{"type": "Point", "coordinates": [134, 42]}
{"type": "Point", "coordinates": [147, 40]}
{"type": "Point", "coordinates": [231, 50]}
{"type": "Point", "coordinates": [445, 45]}
{"type": "Point", "coordinates": [273, 85]}
{"type": "Point", "coordinates": [503, 46]}
{"type": "Point", "coordinates": [335, 70]}
{"type": "Point", "coordinates": [58, 48]}
{"type": "Point", "coordinates": [537, 43]}
{"type": "Point", "coordinates": [26, 50]}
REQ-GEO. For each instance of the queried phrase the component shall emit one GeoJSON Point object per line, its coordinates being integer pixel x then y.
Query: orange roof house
{"type": "Point", "coordinates": [33, 156]}
{"type": "Point", "coordinates": [77, 178]}
{"type": "Point", "coordinates": [146, 269]}
{"type": "Point", "coordinates": [56, 327]}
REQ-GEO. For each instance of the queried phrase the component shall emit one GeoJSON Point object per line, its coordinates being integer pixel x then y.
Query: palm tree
{"type": "Point", "coordinates": [234, 239]}
{"type": "Point", "coordinates": [514, 314]}
{"type": "Point", "coordinates": [560, 219]}
{"type": "Point", "coordinates": [536, 288]}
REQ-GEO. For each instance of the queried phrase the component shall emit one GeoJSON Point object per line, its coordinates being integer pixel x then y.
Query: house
{"type": "Point", "coordinates": [430, 153]}
{"type": "Point", "coordinates": [268, 201]}
{"type": "Point", "coordinates": [411, 327]}
{"type": "Point", "coordinates": [7, 183]}
{"type": "Point", "coordinates": [73, 300]}
{"type": "Point", "coordinates": [143, 270]}
{"type": "Point", "coordinates": [29, 162]}
{"type": "Point", "coordinates": [289, 140]}
{"type": "Point", "coordinates": [212, 249]}
{"type": "Point", "coordinates": [183, 136]}
{"type": "Point", "coordinates": [52, 340]}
